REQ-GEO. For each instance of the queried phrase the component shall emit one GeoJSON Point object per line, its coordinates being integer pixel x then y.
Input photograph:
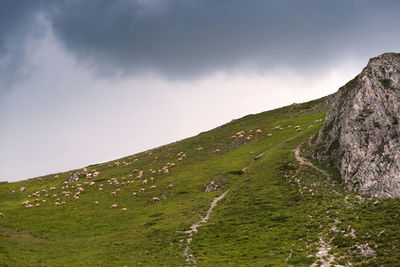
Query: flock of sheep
{"type": "Point", "coordinates": [73, 191]}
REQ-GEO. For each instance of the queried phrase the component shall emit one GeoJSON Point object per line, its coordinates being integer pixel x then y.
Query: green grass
{"type": "Point", "coordinates": [265, 217]}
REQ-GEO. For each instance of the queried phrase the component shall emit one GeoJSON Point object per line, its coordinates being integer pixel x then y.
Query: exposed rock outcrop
{"type": "Point", "coordinates": [361, 133]}
{"type": "Point", "coordinates": [75, 176]}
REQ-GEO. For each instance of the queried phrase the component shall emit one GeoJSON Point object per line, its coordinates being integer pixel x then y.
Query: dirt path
{"type": "Point", "coordinates": [189, 257]}
{"type": "Point", "coordinates": [322, 254]}
{"type": "Point", "coordinates": [193, 229]}
{"type": "Point", "coordinates": [305, 161]}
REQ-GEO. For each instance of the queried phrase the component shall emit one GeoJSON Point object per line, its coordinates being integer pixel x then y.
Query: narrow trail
{"type": "Point", "coordinates": [323, 257]}
{"type": "Point", "coordinates": [189, 257]}
{"type": "Point", "coordinates": [305, 161]}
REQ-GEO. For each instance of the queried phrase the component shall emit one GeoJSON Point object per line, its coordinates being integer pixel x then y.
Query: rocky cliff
{"type": "Point", "coordinates": [361, 134]}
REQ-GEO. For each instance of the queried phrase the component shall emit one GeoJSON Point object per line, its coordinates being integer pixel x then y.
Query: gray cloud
{"type": "Point", "coordinates": [186, 38]}
{"type": "Point", "coordinates": [183, 39]}
{"type": "Point", "coordinates": [17, 24]}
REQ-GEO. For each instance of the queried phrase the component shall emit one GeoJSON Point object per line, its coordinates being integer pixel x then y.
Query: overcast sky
{"type": "Point", "coordinates": [83, 82]}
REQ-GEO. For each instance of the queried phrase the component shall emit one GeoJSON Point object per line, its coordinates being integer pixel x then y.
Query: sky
{"type": "Point", "coordinates": [83, 82]}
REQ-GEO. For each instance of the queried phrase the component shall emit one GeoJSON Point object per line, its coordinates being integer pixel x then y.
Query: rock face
{"type": "Point", "coordinates": [361, 133]}
{"type": "Point", "coordinates": [73, 177]}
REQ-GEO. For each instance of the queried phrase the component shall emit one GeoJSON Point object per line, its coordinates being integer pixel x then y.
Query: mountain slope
{"type": "Point", "coordinates": [276, 211]}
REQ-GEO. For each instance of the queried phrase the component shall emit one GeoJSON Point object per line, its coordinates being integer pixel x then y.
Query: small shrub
{"type": "Point", "coordinates": [377, 124]}
{"type": "Point", "coordinates": [386, 83]}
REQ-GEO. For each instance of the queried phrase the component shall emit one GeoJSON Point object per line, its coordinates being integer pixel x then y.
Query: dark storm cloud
{"type": "Point", "coordinates": [188, 38]}
{"type": "Point", "coordinates": [17, 25]}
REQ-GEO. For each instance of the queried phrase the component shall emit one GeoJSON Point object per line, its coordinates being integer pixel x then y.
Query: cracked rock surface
{"type": "Point", "coordinates": [361, 134]}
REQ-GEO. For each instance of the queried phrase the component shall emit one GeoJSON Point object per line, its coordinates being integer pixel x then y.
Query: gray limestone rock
{"type": "Point", "coordinates": [75, 176]}
{"type": "Point", "coordinates": [361, 133]}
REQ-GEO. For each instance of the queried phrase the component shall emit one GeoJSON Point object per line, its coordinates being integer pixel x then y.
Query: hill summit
{"type": "Point", "coordinates": [360, 136]}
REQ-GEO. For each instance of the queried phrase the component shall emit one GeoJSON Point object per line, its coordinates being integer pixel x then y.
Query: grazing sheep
{"type": "Point", "coordinates": [96, 202]}
{"type": "Point", "coordinates": [289, 126]}
{"type": "Point", "coordinates": [44, 200]}
{"type": "Point", "coordinates": [100, 188]}
{"type": "Point", "coordinates": [141, 190]}
{"type": "Point", "coordinates": [298, 130]}
{"type": "Point", "coordinates": [170, 186]}
{"type": "Point", "coordinates": [216, 150]}
{"type": "Point", "coordinates": [156, 199]}
{"type": "Point", "coordinates": [180, 159]}
{"type": "Point", "coordinates": [199, 148]}
{"type": "Point", "coordinates": [22, 189]}
{"type": "Point", "coordinates": [1, 214]}
{"type": "Point", "coordinates": [258, 131]}
{"type": "Point", "coordinates": [134, 194]}
{"type": "Point", "coordinates": [144, 181]}
{"type": "Point", "coordinates": [29, 206]}
{"type": "Point", "coordinates": [114, 206]}
{"type": "Point", "coordinates": [96, 175]}
{"type": "Point", "coordinates": [84, 171]}
{"type": "Point", "coordinates": [117, 190]}
{"type": "Point", "coordinates": [248, 138]}
{"type": "Point", "coordinates": [57, 204]}
{"type": "Point", "coordinates": [113, 194]}
{"type": "Point", "coordinates": [92, 183]}
{"type": "Point", "coordinates": [233, 137]}
{"type": "Point", "coordinates": [37, 205]}
{"type": "Point", "coordinates": [117, 164]}
{"type": "Point", "coordinates": [56, 176]}
{"type": "Point", "coordinates": [52, 188]}
{"type": "Point", "coordinates": [269, 135]}
{"type": "Point", "coordinates": [153, 187]}
{"type": "Point", "coordinates": [123, 209]}
{"type": "Point", "coordinates": [251, 153]}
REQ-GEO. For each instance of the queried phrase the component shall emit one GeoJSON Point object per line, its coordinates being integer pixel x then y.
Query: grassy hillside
{"type": "Point", "coordinates": [275, 213]}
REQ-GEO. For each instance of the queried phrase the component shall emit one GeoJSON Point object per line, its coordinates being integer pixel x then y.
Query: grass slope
{"type": "Point", "coordinates": [274, 213]}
